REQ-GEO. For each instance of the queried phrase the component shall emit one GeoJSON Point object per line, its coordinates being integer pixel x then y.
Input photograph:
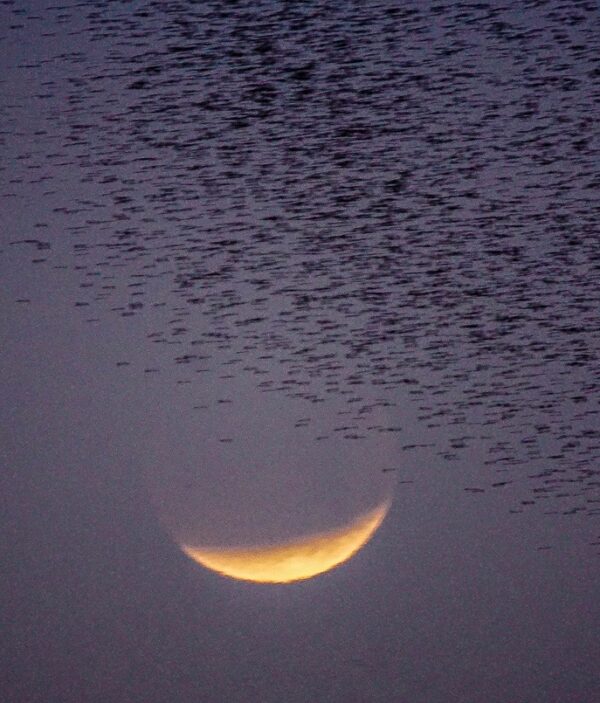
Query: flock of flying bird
{"type": "Point", "coordinates": [369, 201]}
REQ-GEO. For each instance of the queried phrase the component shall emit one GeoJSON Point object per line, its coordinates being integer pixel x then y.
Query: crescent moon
{"type": "Point", "coordinates": [294, 560]}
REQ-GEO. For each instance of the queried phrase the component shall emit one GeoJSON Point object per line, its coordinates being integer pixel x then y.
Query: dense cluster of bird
{"type": "Point", "coordinates": [368, 201]}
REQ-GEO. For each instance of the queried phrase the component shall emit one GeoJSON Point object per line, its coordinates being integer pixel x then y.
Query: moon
{"type": "Point", "coordinates": [294, 560]}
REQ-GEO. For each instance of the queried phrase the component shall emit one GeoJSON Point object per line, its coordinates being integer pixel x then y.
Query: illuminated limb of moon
{"type": "Point", "coordinates": [294, 560]}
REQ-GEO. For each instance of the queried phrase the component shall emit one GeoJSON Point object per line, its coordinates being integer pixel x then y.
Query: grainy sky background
{"type": "Point", "coordinates": [263, 265]}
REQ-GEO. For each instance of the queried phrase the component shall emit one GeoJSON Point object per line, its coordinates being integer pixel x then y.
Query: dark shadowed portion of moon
{"type": "Point", "coordinates": [212, 489]}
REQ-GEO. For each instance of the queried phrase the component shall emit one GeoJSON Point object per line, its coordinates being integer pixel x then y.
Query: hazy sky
{"type": "Point", "coordinates": [265, 264]}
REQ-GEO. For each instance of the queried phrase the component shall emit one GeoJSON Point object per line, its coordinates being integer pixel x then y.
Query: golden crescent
{"type": "Point", "coordinates": [294, 560]}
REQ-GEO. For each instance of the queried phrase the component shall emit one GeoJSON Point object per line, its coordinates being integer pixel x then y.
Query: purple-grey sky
{"type": "Point", "coordinates": [263, 265]}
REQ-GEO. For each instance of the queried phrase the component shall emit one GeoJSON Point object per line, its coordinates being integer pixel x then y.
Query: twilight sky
{"type": "Point", "coordinates": [265, 265]}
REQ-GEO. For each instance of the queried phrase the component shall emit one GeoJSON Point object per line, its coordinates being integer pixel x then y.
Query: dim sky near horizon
{"type": "Point", "coordinates": [265, 265]}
